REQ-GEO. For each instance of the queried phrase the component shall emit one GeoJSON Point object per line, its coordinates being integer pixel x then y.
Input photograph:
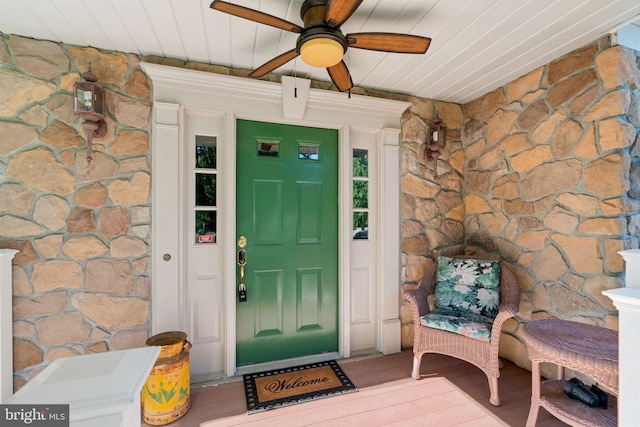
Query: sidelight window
{"type": "Point", "coordinates": [206, 175]}
{"type": "Point", "coordinates": [360, 194]}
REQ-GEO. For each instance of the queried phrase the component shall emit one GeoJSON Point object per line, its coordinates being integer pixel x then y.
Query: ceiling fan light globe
{"type": "Point", "coordinates": [321, 52]}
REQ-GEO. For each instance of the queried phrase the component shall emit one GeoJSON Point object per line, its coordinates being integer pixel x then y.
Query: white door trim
{"type": "Point", "coordinates": [176, 88]}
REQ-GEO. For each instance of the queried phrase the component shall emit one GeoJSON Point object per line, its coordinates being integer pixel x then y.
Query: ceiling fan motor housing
{"type": "Point", "coordinates": [317, 10]}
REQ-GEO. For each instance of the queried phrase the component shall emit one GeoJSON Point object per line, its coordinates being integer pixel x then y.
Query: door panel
{"type": "Point", "coordinates": [269, 310]}
{"type": "Point", "coordinates": [309, 287]}
{"type": "Point", "coordinates": [309, 219]}
{"type": "Point", "coordinates": [287, 208]}
{"type": "Point", "coordinates": [267, 197]}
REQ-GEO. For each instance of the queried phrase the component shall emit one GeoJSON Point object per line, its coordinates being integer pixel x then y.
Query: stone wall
{"type": "Point", "coordinates": [81, 280]}
{"type": "Point", "coordinates": [432, 205]}
{"type": "Point", "coordinates": [551, 178]}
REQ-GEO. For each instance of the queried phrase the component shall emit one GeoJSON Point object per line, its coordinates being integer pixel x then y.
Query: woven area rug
{"type": "Point", "coordinates": [282, 387]}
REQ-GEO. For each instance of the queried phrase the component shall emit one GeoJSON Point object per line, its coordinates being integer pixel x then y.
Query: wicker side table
{"type": "Point", "coordinates": [584, 348]}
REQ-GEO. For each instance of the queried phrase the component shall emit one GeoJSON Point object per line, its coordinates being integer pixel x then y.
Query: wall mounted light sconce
{"type": "Point", "coordinates": [436, 140]}
{"type": "Point", "coordinates": [89, 103]}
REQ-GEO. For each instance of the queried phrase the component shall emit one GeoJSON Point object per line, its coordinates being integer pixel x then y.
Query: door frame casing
{"type": "Point", "coordinates": [239, 98]}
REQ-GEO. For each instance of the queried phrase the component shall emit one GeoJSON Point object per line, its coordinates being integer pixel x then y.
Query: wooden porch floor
{"type": "Point", "coordinates": [450, 393]}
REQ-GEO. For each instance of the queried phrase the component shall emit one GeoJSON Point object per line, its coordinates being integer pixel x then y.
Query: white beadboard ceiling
{"type": "Point", "coordinates": [477, 45]}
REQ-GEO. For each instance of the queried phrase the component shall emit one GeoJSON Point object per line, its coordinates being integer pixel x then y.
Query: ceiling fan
{"type": "Point", "coordinates": [321, 43]}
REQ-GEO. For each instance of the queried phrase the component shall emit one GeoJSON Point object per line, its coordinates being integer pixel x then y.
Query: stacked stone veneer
{"type": "Point", "coordinates": [80, 280]}
{"type": "Point", "coordinates": [551, 186]}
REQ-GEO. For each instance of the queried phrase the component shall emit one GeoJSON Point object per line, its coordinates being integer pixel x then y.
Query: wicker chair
{"type": "Point", "coordinates": [483, 354]}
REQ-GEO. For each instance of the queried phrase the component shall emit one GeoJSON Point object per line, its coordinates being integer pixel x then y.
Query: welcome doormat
{"type": "Point", "coordinates": [282, 387]}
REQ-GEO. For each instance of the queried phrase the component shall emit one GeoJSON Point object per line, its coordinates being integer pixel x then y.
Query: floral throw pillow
{"type": "Point", "coordinates": [468, 285]}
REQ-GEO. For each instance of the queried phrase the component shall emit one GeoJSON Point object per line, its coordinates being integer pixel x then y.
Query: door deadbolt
{"type": "Point", "coordinates": [166, 257]}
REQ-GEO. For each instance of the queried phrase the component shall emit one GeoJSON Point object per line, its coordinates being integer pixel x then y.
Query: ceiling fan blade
{"type": "Point", "coordinates": [256, 16]}
{"type": "Point", "coordinates": [339, 11]}
{"type": "Point", "coordinates": [276, 62]}
{"type": "Point", "coordinates": [389, 42]}
{"type": "Point", "coordinates": [340, 76]}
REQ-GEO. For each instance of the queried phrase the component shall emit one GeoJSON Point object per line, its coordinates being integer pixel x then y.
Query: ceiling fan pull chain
{"type": "Point", "coordinates": [349, 62]}
{"type": "Point", "coordinates": [295, 78]}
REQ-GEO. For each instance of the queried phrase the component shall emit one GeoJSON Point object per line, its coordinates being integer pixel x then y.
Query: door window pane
{"type": "Point", "coordinates": [205, 227]}
{"type": "Point", "coordinates": [308, 152]}
{"type": "Point", "coordinates": [205, 189]}
{"type": "Point", "coordinates": [205, 152]}
{"type": "Point", "coordinates": [268, 148]}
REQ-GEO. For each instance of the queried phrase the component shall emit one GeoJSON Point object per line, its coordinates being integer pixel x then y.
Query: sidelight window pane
{"type": "Point", "coordinates": [360, 162]}
{"type": "Point", "coordinates": [360, 194]}
{"type": "Point", "coordinates": [206, 226]}
{"type": "Point", "coordinates": [206, 152]}
{"type": "Point", "coordinates": [361, 225]}
{"type": "Point", "coordinates": [205, 189]}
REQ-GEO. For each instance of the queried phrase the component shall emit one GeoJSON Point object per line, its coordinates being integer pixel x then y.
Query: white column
{"type": "Point", "coordinates": [389, 268]}
{"type": "Point", "coordinates": [627, 301]}
{"type": "Point", "coordinates": [632, 262]}
{"type": "Point", "coordinates": [166, 251]}
{"type": "Point", "coordinates": [6, 324]}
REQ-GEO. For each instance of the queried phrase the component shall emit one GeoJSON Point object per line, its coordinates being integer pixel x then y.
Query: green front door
{"type": "Point", "coordinates": [287, 208]}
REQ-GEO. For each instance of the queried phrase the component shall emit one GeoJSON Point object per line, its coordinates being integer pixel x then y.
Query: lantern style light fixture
{"type": "Point", "coordinates": [436, 140]}
{"type": "Point", "coordinates": [89, 103]}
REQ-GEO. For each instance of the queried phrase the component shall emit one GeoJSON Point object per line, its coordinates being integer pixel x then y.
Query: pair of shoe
{"type": "Point", "coordinates": [594, 397]}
